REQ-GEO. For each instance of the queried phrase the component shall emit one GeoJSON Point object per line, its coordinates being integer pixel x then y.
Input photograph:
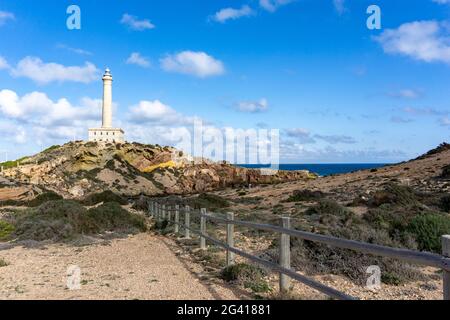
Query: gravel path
{"type": "Point", "coordinates": [144, 266]}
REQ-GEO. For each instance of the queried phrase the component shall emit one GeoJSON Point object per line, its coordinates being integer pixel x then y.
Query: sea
{"type": "Point", "coordinates": [323, 169]}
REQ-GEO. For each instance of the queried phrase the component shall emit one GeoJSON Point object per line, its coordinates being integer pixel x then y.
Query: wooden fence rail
{"type": "Point", "coordinates": [161, 213]}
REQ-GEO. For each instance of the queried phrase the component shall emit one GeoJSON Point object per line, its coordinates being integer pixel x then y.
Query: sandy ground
{"type": "Point", "coordinates": [138, 267]}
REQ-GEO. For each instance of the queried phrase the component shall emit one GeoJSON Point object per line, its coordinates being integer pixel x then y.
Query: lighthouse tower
{"type": "Point", "coordinates": [107, 133]}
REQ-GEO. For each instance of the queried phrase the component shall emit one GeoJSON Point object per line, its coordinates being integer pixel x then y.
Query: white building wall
{"type": "Point", "coordinates": [104, 135]}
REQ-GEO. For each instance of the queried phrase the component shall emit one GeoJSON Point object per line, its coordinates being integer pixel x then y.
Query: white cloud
{"type": "Point", "coordinates": [137, 59]}
{"type": "Point", "coordinates": [37, 108]}
{"type": "Point", "coordinates": [198, 64]}
{"type": "Point", "coordinates": [406, 94]}
{"type": "Point", "coordinates": [295, 153]}
{"type": "Point", "coordinates": [425, 111]}
{"type": "Point", "coordinates": [34, 117]}
{"type": "Point", "coordinates": [445, 121]}
{"type": "Point", "coordinates": [3, 63]}
{"type": "Point", "coordinates": [427, 41]}
{"type": "Point", "coordinates": [6, 16]}
{"type": "Point", "coordinates": [232, 14]}
{"type": "Point", "coordinates": [74, 50]}
{"type": "Point", "coordinates": [396, 119]}
{"type": "Point", "coordinates": [157, 112]}
{"type": "Point", "coordinates": [253, 106]}
{"type": "Point", "coordinates": [44, 73]}
{"type": "Point", "coordinates": [339, 5]}
{"type": "Point", "coordinates": [135, 24]}
{"type": "Point", "coordinates": [334, 139]}
{"type": "Point", "coordinates": [301, 136]}
{"type": "Point", "coordinates": [11, 132]}
{"type": "Point", "coordinates": [273, 5]}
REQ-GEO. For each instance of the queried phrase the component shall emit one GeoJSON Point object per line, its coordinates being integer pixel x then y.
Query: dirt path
{"type": "Point", "coordinates": [139, 267]}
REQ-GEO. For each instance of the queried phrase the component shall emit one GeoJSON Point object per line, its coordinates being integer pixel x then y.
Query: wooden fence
{"type": "Point", "coordinates": [173, 214]}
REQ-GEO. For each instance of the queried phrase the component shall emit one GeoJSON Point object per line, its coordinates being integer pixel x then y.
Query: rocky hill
{"type": "Point", "coordinates": [79, 168]}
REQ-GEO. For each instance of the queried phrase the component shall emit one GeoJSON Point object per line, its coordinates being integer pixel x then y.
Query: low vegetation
{"type": "Point", "coordinates": [305, 195]}
{"type": "Point", "coordinates": [60, 220]}
{"type": "Point", "coordinates": [209, 201]}
{"type": "Point", "coordinates": [37, 201]}
{"type": "Point", "coordinates": [445, 203]}
{"type": "Point", "coordinates": [6, 230]}
{"type": "Point", "coordinates": [54, 147]}
{"type": "Point", "coordinates": [446, 172]}
{"type": "Point", "coordinates": [12, 164]}
{"type": "Point", "coordinates": [43, 198]}
{"type": "Point", "coordinates": [396, 216]}
{"type": "Point", "coordinates": [394, 194]}
{"type": "Point", "coordinates": [428, 229]}
{"type": "Point", "coordinates": [105, 196]}
{"type": "Point", "coordinates": [3, 263]}
{"type": "Point", "coordinates": [247, 275]}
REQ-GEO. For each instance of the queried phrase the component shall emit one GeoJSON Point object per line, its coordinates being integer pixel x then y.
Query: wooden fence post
{"type": "Point", "coordinates": [169, 213]}
{"type": "Point", "coordinates": [230, 239]}
{"type": "Point", "coordinates": [187, 222]}
{"type": "Point", "coordinates": [285, 254]}
{"type": "Point", "coordinates": [177, 219]}
{"type": "Point", "coordinates": [163, 212]}
{"type": "Point", "coordinates": [202, 228]}
{"type": "Point", "coordinates": [446, 274]}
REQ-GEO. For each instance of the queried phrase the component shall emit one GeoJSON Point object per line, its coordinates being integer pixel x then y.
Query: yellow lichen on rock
{"type": "Point", "coordinates": [168, 164]}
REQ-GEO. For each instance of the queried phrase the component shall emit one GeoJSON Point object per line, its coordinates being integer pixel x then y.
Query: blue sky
{"type": "Point", "coordinates": [337, 91]}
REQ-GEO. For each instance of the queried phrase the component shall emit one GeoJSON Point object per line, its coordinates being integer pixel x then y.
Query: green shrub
{"type": "Point", "coordinates": [241, 271]}
{"type": "Point", "coordinates": [428, 229]}
{"type": "Point", "coordinates": [12, 164]}
{"type": "Point", "coordinates": [328, 207]}
{"type": "Point", "coordinates": [3, 263]}
{"type": "Point", "coordinates": [209, 201]}
{"type": "Point", "coordinates": [6, 229]}
{"type": "Point", "coordinates": [258, 286]}
{"type": "Point", "coordinates": [390, 278]}
{"type": "Point", "coordinates": [112, 217]}
{"type": "Point", "coordinates": [161, 225]}
{"type": "Point", "coordinates": [65, 219]}
{"type": "Point", "coordinates": [42, 198]}
{"type": "Point", "coordinates": [11, 202]}
{"type": "Point", "coordinates": [305, 195]}
{"type": "Point", "coordinates": [249, 276]}
{"type": "Point", "coordinates": [393, 194]}
{"type": "Point", "coordinates": [392, 219]}
{"type": "Point", "coordinates": [105, 196]}
{"type": "Point", "coordinates": [54, 147]}
{"type": "Point", "coordinates": [444, 204]}
{"type": "Point", "coordinates": [445, 172]}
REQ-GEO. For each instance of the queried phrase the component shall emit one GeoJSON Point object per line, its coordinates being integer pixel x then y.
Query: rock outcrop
{"type": "Point", "coordinates": [79, 168]}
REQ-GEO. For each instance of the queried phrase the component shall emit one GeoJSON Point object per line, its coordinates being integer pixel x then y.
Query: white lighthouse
{"type": "Point", "coordinates": [107, 133]}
